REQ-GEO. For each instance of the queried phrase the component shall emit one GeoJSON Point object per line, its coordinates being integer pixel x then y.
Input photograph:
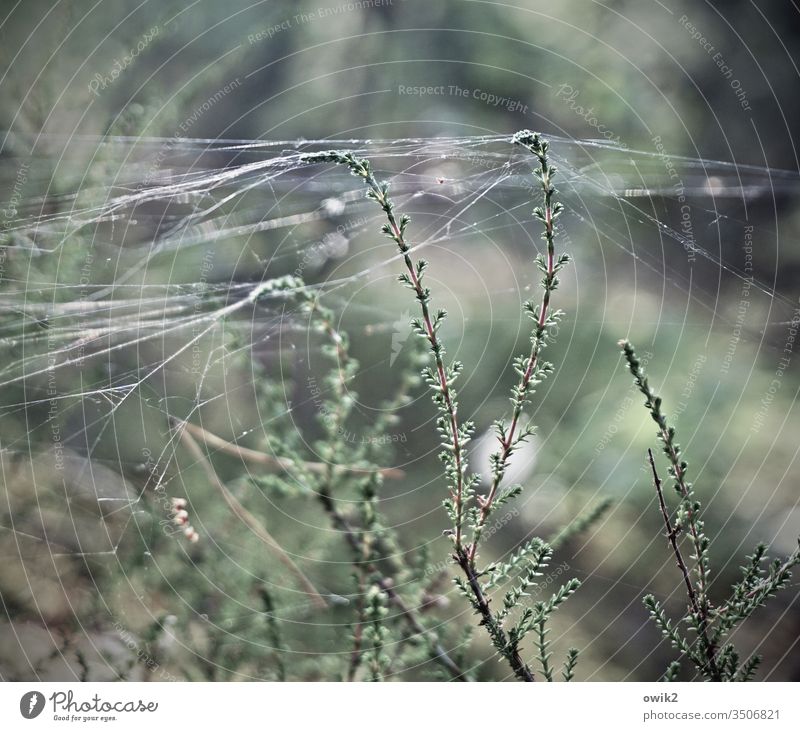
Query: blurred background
{"type": "Point", "coordinates": [150, 175]}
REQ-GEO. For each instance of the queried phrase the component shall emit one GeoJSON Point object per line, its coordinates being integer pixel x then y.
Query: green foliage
{"type": "Point", "coordinates": [274, 632]}
{"type": "Point", "coordinates": [350, 470]}
{"type": "Point", "coordinates": [375, 634]}
{"type": "Point", "coordinates": [538, 622]}
{"type": "Point", "coordinates": [580, 524]}
{"type": "Point", "coordinates": [468, 510]}
{"type": "Point", "coordinates": [569, 664]}
{"type": "Point", "coordinates": [700, 634]}
{"type": "Point", "coordinates": [533, 553]}
{"type": "Point", "coordinates": [386, 594]}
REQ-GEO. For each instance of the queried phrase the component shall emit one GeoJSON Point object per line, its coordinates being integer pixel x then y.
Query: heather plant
{"type": "Point", "coordinates": [385, 602]}
{"type": "Point", "coordinates": [467, 508]}
{"type": "Point", "coordinates": [702, 635]}
{"type": "Point", "coordinates": [386, 595]}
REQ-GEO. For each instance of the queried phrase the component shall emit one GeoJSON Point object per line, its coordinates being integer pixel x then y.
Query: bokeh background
{"type": "Point", "coordinates": [705, 93]}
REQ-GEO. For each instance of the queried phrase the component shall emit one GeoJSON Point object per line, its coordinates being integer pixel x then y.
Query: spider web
{"type": "Point", "coordinates": [135, 275]}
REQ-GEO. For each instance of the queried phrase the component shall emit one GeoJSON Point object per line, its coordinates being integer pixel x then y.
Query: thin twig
{"type": "Point", "coordinates": [356, 539]}
{"type": "Point", "coordinates": [358, 634]}
{"type": "Point", "coordinates": [444, 397]}
{"type": "Point", "coordinates": [283, 463]}
{"type": "Point", "coordinates": [499, 637]}
{"type": "Point", "coordinates": [672, 534]}
{"type": "Point", "coordinates": [508, 440]}
{"type": "Point", "coordinates": [667, 436]}
{"type": "Point", "coordinates": [248, 518]}
{"type": "Point", "coordinates": [436, 349]}
{"type": "Point", "coordinates": [386, 585]}
{"type": "Point", "coordinates": [672, 450]}
{"type": "Point", "coordinates": [507, 444]}
{"type": "Point", "coordinates": [396, 231]}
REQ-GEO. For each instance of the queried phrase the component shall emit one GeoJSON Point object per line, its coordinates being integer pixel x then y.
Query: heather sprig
{"type": "Point", "coordinates": [349, 469]}
{"type": "Point", "coordinates": [468, 511]}
{"type": "Point", "coordinates": [580, 524]}
{"type": "Point", "coordinates": [713, 657]}
{"type": "Point", "coordinates": [374, 546]}
{"type": "Point", "coordinates": [689, 508]}
{"type": "Point", "coordinates": [538, 623]}
{"type": "Point", "coordinates": [441, 378]}
{"type": "Point", "coordinates": [531, 369]}
{"type": "Point", "coordinates": [376, 634]}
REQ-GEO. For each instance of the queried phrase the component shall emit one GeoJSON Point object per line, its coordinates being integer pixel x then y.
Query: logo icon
{"type": "Point", "coordinates": [31, 704]}
{"type": "Point", "coordinates": [400, 333]}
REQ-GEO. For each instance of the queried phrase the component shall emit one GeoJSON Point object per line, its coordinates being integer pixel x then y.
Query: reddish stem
{"type": "Point", "coordinates": [507, 444]}
{"type": "Point", "coordinates": [457, 495]}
